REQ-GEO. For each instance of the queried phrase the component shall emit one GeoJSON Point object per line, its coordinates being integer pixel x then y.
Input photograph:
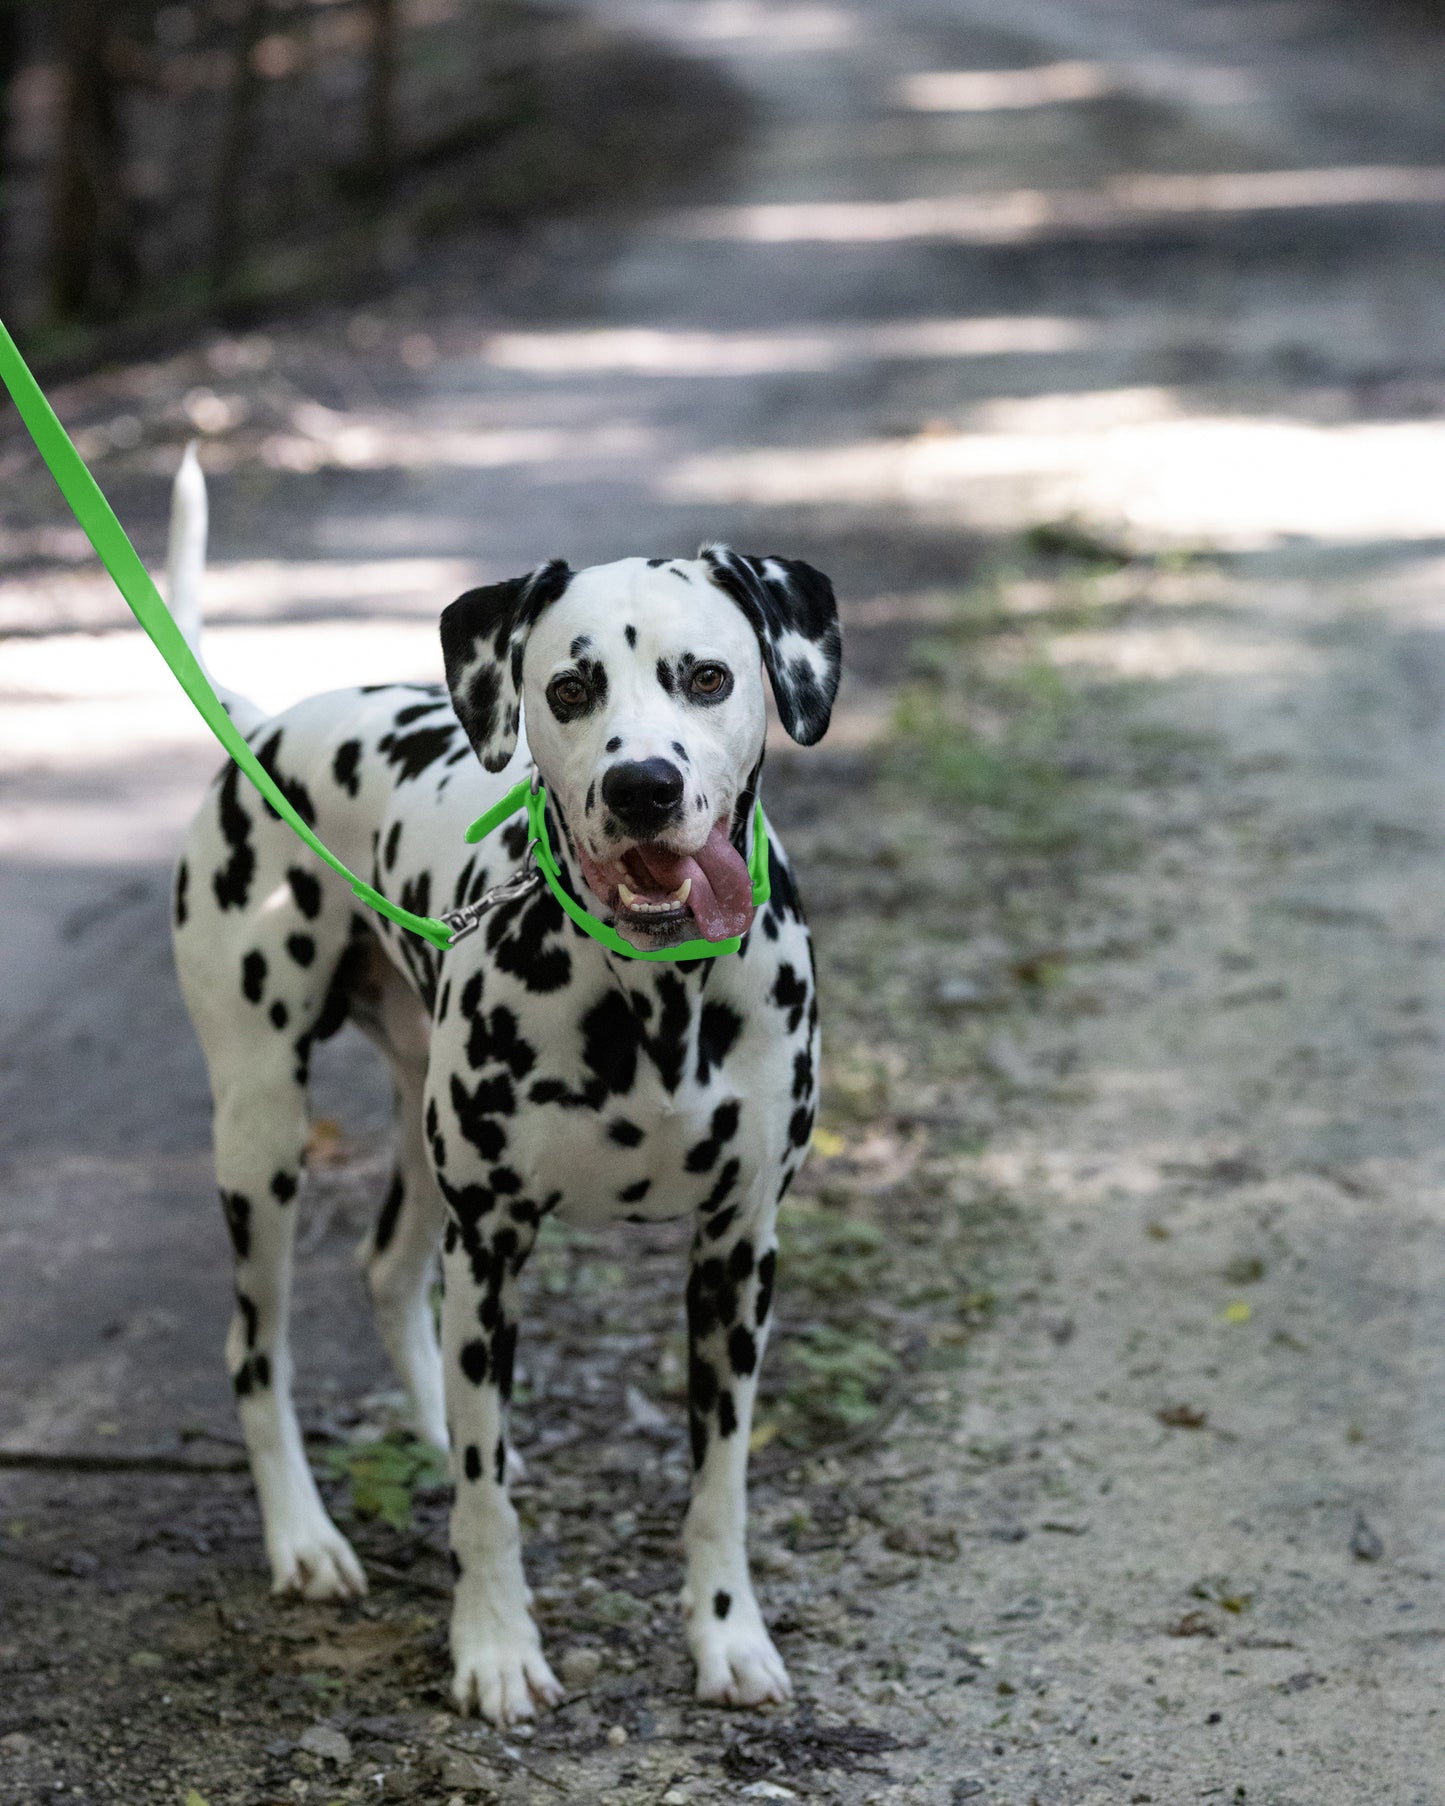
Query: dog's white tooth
{"type": "Point", "coordinates": [629, 898]}
{"type": "Point", "coordinates": [683, 891]}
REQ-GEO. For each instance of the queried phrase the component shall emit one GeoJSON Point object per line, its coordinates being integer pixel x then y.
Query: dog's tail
{"type": "Point", "coordinates": [185, 575]}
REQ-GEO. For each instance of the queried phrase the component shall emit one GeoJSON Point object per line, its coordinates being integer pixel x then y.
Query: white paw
{"type": "Point", "coordinates": [317, 1562]}
{"type": "Point", "coordinates": [502, 1673]}
{"type": "Point", "coordinates": [737, 1664]}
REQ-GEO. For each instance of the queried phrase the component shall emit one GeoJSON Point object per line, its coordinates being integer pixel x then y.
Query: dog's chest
{"type": "Point", "coordinates": [637, 1161]}
{"type": "Point", "coordinates": [644, 1097]}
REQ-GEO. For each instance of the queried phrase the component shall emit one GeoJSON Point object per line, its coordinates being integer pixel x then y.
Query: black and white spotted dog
{"type": "Point", "coordinates": [534, 1070]}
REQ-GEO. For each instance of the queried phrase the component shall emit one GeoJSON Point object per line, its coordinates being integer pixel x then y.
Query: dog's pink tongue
{"type": "Point", "coordinates": [721, 897]}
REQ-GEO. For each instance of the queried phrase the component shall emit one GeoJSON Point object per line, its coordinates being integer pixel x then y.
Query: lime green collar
{"type": "Point", "coordinates": [532, 794]}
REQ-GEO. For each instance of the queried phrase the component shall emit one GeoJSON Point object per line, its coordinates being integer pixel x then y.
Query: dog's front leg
{"type": "Point", "coordinates": [499, 1668]}
{"type": "Point", "coordinates": [729, 1300]}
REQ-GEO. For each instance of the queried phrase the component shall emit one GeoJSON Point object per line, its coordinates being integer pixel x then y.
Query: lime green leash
{"type": "Point", "coordinates": [133, 581]}
{"type": "Point", "coordinates": [533, 795]}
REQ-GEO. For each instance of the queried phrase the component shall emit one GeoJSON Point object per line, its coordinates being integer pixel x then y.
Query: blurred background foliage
{"type": "Point", "coordinates": [167, 159]}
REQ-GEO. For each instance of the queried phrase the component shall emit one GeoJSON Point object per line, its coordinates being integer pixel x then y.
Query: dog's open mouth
{"type": "Point", "coordinates": [663, 894]}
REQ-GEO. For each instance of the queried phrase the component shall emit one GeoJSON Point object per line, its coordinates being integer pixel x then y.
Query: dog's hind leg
{"type": "Point", "coordinates": [729, 1305]}
{"type": "Point", "coordinates": [257, 1018]}
{"type": "Point", "coordinates": [399, 1253]}
{"type": "Point", "coordinates": [260, 1135]}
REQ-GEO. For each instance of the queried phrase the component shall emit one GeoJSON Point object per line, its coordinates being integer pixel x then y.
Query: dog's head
{"type": "Point", "coordinates": [642, 684]}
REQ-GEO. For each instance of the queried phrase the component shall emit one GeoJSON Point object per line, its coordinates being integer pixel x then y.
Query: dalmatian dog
{"type": "Point", "coordinates": [535, 1071]}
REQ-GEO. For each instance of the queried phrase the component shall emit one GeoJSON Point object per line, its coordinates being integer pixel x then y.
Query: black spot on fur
{"type": "Point", "coordinates": [717, 1030]}
{"type": "Point", "coordinates": [283, 1186]}
{"type": "Point", "coordinates": [253, 975]}
{"type": "Point", "coordinates": [306, 889]}
{"type": "Point", "coordinates": [499, 1461]}
{"type": "Point", "coordinates": [393, 844]}
{"type": "Point", "coordinates": [800, 1128]}
{"type": "Point", "coordinates": [412, 754]}
{"type": "Point", "coordinates": [630, 634]}
{"type": "Point", "coordinates": [504, 1355]}
{"type": "Point", "coordinates": [722, 1604]}
{"type": "Point", "coordinates": [521, 939]}
{"type": "Point", "coordinates": [614, 744]}
{"type": "Point", "coordinates": [475, 1112]}
{"type": "Point", "coordinates": [514, 837]}
{"type": "Point", "coordinates": [454, 1562]}
{"type": "Point", "coordinates": [237, 1209]}
{"type": "Point", "coordinates": [740, 1261]}
{"type": "Point", "coordinates": [767, 1271]}
{"type": "Point", "coordinates": [249, 1316]}
{"type": "Point", "coordinates": [634, 1193]}
{"type": "Point", "coordinates": [414, 712]}
{"type": "Point", "coordinates": [701, 1386]}
{"type": "Point", "coordinates": [626, 1134]}
{"type": "Point", "coordinates": [703, 1157]}
{"type": "Point", "coordinates": [183, 885]}
{"type": "Point", "coordinates": [343, 766]}
{"type": "Point", "coordinates": [727, 1414]}
{"type": "Point", "coordinates": [280, 1015]}
{"type": "Point", "coordinates": [302, 948]}
{"type": "Point", "coordinates": [472, 1462]}
{"type": "Point", "coordinates": [389, 1215]}
{"type": "Point", "coordinates": [790, 993]}
{"type": "Point", "coordinates": [473, 1359]}
{"type": "Point", "coordinates": [613, 1037]}
{"type": "Point", "coordinates": [721, 1192]}
{"type": "Point", "coordinates": [495, 1040]}
{"type": "Point", "coordinates": [742, 1351]}
{"type": "Point", "coordinates": [295, 792]}
{"type": "Point", "coordinates": [232, 884]}
{"type": "Point", "coordinates": [667, 677]}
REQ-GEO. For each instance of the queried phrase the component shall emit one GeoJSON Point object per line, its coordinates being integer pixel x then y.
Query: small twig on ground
{"type": "Point", "coordinates": [80, 1462]}
{"type": "Point", "coordinates": [404, 1577]}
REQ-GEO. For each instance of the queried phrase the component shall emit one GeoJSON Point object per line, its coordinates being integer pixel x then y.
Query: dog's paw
{"type": "Point", "coordinates": [737, 1665]}
{"type": "Point", "coordinates": [503, 1675]}
{"type": "Point", "coordinates": [316, 1562]}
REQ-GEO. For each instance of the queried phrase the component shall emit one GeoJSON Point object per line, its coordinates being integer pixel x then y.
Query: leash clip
{"type": "Point", "coordinates": [468, 918]}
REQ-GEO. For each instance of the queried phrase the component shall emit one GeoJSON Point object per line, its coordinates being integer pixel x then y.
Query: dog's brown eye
{"type": "Point", "coordinates": [707, 680]}
{"type": "Point", "coordinates": [570, 692]}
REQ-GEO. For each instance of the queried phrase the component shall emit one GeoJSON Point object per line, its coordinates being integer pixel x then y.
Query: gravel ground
{"type": "Point", "coordinates": [1102, 1454]}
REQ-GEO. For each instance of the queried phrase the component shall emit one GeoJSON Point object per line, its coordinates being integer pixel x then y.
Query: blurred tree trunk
{"type": "Point", "coordinates": [381, 95]}
{"type": "Point", "coordinates": [93, 264]}
{"type": "Point", "coordinates": [227, 238]}
{"type": "Point", "coordinates": [11, 52]}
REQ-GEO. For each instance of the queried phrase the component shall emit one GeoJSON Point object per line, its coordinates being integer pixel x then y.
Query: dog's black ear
{"type": "Point", "coordinates": [795, 616]}
{"type": "Point", "coordinates": [484, 634]}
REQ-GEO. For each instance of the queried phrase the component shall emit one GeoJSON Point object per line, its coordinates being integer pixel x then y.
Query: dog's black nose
{"type": "Point", "coordinates": [643, 794]}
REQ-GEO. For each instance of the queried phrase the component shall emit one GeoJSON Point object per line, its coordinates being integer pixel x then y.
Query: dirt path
{"type": "Point", "coordinates": [1108, 1454]}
